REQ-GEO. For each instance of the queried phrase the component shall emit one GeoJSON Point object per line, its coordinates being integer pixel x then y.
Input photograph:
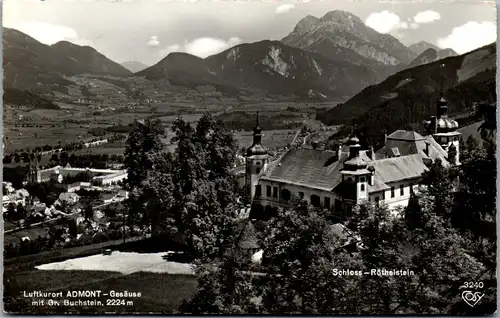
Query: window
{"type": "Point", "coordinates": [268, 191]}
{"type": "Point", "coordinates": [377, 199]}
{"type": "Point", "coordinates": [362, 179]}
{"type": "Point", "coordinates": [301, 195]}
{"type": "Point", "coordinates": [411, 187]}
{"type": "Point", "coordinates": [402, 189]}
{"type": "Point", "coordinates": [285, 194]}
{"type": "Point", "coordinates": [257, 170]}
{"type": "Point", "coordinates": [392, 192]}
{"type": "Point", "coordinates": [327, 202]}
{"type": "Point", "coordinates": [258, 190]}
{"type": "Point", "coordinates": [362, 187]}
{"type": "Point", "coordinates": [275, 192]}
{"type": "Point", "coordinates": [315, 200]}
{"type": "Point", "coordinates": [258, 163]}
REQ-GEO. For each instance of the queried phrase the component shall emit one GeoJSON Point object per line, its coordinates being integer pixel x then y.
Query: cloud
{"type": "Point", "coordinates": [49, 34]}
{"type": "Point", "coordinates": [414, 26]}
{"type": "Point", "coordinates": [153, 41]}
{"type": "Point", "coordinates": [285, 8]}
{"type": "Point", "coordinates": [202, 47]}
{"type": "Point", "coordinates": [469, 36]}
{"type": "Point", "coordinates": [385, 22]}
{"type": "Point", "coordinates": [428, 16]}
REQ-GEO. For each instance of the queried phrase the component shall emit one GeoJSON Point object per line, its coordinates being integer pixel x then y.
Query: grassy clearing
{"type": "Point", "coordinates": [160, 292]}
{"type": "Point", "coordinates": [37, 136]}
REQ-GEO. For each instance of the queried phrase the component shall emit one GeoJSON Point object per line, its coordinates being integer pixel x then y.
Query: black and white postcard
{"type": "Point", "coordinates": [313, 157]}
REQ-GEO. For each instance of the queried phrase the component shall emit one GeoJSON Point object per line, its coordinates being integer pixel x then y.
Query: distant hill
{"type": "Point", "coordinates": [471, 130]}
{"type": "Point", "coordinates": [410, 96]}
{"type": "Point", "coordinates": [431, 55]}
{"type": "Point", "coordinates": [29, 64]}
{"type": "Point", "coordinates": [18, 97]}
{"type": "Point", "coordinates": [422, 46]}
{"type": "Point", "coordinates": [267, 67]}
{"type": "Point", "coordinates": [341, 35]}
{"type": "Point", "coordinates": [134, 66]}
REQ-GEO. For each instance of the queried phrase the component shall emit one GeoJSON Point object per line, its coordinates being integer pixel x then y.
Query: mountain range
{"type": "Point", "coordinates": [134, 66]}
{"type": "Point", "coordinates": [268, 66]}
{"type": "Point", "coordinates": [340, 35]}
{"type": "Point", "coordinates": [431, 55]}
{"type": "Point", "coordinates": [410, 96]}
{"type": "Point", "coordinates": [332, 57]}
{"type": "Point", "coordinates": [29, 64]}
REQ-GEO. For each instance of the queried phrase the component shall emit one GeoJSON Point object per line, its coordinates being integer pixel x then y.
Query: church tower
{"type": "Point", "coordinates": [444, 129]}
{"type": "Point", "coordinates": [355, 177]}
{"type": "Point", "coordinates": [34, 174]}
{"type": "Point", "coordinates": [256, 159]}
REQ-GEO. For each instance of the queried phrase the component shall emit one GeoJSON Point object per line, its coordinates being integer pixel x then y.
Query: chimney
{"type": "Point", "coordinates": [339, 151]}
{"type": "Point", "coordinates": [433, 127]}
{"type": "Point", "coordinates": [427, 149]}
{"type": "Point", "coordinates": [371, 179]}
{"type": "Point", "coordinates": [371, 153]}
{"type": "Point", "coordinates": [385, 139]}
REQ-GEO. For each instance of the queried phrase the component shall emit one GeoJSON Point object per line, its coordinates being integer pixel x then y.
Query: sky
{"type": "Point", "coordinates": [147, 30]}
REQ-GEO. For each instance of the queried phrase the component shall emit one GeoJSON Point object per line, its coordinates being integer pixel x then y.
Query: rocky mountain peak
{"type": "Point", "coordinates": [421, 46]}
{"type": "Point", "coordinates": [306, 24]}
{"type": "Point", "coordinates": [339, 16]}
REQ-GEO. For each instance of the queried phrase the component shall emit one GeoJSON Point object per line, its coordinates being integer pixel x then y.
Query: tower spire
{"type": "Point", "coordinates": [442, 105]}
{"type": "Point", "coordinates": [442, 80]}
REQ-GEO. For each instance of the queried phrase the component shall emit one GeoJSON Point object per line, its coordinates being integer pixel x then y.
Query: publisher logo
{"type": "Point", "coordinates": [472, 298]}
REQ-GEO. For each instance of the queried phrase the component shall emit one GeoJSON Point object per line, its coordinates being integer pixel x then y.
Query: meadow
{"type": "Point", "coordinates": [163, 285]}
{"type": "Point", "coordinates": [160, 293]}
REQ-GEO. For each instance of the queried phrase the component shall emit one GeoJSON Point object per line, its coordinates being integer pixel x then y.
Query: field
{"type": "Point", "coordinates": [31, 137]}
{"type": "Point", "coordinates": [30, 128]}
{"type": "Point", "coordinates": [160, 293]}
{"type": "Point", "coordinates": [162, 287]}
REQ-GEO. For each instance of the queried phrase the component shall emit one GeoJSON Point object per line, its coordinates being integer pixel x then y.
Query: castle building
{"type": "Point", "coordinates": [339, 180]}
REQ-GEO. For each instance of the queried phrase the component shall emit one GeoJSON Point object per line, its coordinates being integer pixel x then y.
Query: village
{"type": "Point", "coordinates": [74, 206]}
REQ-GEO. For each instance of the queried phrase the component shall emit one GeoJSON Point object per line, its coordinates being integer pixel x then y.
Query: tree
{"type": "Point", "coordinates": [54, 157]}
{"type": "Point", "coordinates": [88, 212]}
{"type": "Point", "coordinates": [73, 228]}
{"type": "Point", "coordinates": [203, 195]}
{"type": "Point", "coordinates": [486, 112]}
{"type": "Point", "coordinates": [142, 143]}
{"type": "Point", "coordinates": [21, 211]}
{"type": "Point", "coordinates": [439, 182]}
{"type": "Point", "coordinates": [301, 253]}
{"type": "Point", "coordinates": [223, 289]}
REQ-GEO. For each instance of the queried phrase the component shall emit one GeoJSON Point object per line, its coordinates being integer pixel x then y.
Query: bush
{"type": "Point", "coordinates": [100, 238]}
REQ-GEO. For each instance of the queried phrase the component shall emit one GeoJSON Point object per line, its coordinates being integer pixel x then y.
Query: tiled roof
{"type": "Point", "coordinates": [378, 185]}
{"type": "Point", "coordinates": [409, 146]}
{"type": "Point", "coordinates": [309, 167]}
{"type": "Point", "coordinates": [248, 237]}
{"type": "Point", "coordinates": [406, 135]}
{"type": "Point", "coordinates": [399, 168]}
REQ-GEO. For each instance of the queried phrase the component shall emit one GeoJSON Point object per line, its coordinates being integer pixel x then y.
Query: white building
{"type": "Point", "coordinates": [340, 180]}
{"type": "Point", "coordinates": [110, 178]}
